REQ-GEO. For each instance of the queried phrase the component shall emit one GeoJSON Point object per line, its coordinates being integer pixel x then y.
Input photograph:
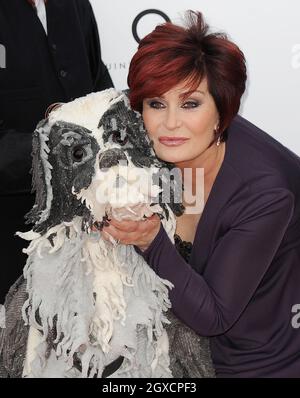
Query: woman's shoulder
{"type": "Point", "coordinates": [259, 159]}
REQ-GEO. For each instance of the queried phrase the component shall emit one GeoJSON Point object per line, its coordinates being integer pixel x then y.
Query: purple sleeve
{"type": "Point", "coordinates": [210, 304]}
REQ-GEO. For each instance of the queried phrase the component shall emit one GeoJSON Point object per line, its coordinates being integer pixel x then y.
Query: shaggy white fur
{"type": "Point", "coordinates": [101, 299]}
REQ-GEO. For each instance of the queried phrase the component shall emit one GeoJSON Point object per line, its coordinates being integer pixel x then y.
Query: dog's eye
{"type": "Point", "coordinates": [116, 137]}
{"type": "Point", "coordinates": [78, 154]}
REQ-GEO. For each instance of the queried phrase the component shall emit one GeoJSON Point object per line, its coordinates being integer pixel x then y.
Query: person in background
{"type": "Point", "coordinates": [52, 54]}
{"type": "Point", "coordinates": [235, 264]}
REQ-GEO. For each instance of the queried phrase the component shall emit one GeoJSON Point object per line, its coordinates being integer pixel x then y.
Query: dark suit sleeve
{"type": "Point", "coordinates": [100, 74]}
{"type": "Point", "coordinates": [211, 303]}
{"type": "Point", "coordinates": [15, 162]}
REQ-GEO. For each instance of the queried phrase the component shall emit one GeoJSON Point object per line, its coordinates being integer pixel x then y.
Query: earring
{"type": "Point", "coordinates": [216, 131]}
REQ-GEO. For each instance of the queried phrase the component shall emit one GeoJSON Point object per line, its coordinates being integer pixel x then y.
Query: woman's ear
{"type": "Point", "coordinates": [217, 126]}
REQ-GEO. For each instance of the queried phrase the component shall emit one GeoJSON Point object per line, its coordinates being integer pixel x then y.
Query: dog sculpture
{"type": "Point", "coordinates": [93, 308]}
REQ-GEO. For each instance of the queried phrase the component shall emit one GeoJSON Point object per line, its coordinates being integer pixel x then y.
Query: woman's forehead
{"type": "Point", "coordinates": [185, 88]}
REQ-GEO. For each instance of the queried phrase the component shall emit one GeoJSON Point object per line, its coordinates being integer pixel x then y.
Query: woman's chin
{"type": "Point", "coordinates": [172, 158]}
{"type": "Point", "coordinates": [173, 155]}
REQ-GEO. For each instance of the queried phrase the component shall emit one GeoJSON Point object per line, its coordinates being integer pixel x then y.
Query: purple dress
{"type": "Point", "coordinates": [241, 282]}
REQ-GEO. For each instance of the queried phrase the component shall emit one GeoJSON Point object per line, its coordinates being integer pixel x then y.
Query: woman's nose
{"type": "Point", "coordinates": [172, 120]}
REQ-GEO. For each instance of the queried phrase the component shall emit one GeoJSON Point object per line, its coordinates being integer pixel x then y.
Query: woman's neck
{"type": "Point", "coordinates": [210, 161]}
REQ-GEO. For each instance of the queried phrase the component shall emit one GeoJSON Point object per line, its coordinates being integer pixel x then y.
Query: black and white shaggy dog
{"type": "Point", "coordinates": [94, 308]}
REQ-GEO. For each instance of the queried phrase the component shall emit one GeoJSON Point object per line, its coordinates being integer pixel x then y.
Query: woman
{"type": "Point", "coordinates": [242, 278]}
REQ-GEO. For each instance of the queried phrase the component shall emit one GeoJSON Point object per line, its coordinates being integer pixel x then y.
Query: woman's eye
{"type": "Point", "coordinates": [190, 104]}
{"type": "Point", "coordinates": [156, 104]}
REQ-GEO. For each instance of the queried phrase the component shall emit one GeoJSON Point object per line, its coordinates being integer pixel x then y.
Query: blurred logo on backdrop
{"type": "Point", "coordinates": [154, 19]}
{"type": "Point", "coordinates": [144, 22]}
{"type": "Point", "coordinates": [2, 57]}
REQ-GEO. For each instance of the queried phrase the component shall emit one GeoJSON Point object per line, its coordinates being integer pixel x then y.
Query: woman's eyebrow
{"type": "Point", "coordinates": [187, 93]}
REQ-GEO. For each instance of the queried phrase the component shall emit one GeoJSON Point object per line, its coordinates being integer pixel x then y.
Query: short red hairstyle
{"type": "Point", "coordinates": [171, 54]}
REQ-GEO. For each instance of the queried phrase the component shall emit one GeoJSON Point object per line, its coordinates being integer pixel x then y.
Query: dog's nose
{"type": "Point", "coordinates": [112, 157]}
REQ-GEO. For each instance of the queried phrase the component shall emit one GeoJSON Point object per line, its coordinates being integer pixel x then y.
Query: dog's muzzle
{"type": "Point", "coordinates": [112, 157]}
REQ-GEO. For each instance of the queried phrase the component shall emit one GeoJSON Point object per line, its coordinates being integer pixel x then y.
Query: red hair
{"type": "Point", "coordinates": [171, 54]}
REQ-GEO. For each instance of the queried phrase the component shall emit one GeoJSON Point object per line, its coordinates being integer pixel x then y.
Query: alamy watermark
{"type": "Point", "coordinates": [2, 56]}
{"type": "Point", "coordinates": [296, 56]}
{"type": "Point", "coordinates": [128, 186]}
{"type": "Point", "coordinates": [296, 318]}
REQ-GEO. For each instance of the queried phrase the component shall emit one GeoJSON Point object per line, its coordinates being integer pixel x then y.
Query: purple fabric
{"type": "Point", "coordinates": [243, 277]}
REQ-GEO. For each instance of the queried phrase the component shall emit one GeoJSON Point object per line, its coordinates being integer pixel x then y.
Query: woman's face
{"type": "Point", "coordinates": [181, 129]}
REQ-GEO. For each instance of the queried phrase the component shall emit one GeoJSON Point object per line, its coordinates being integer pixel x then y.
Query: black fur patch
{"type": "Point", "coordinates": [72, 155]}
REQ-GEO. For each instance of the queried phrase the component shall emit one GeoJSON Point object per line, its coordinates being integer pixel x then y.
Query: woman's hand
{"type": "Point", "coordinates": [138, 233]}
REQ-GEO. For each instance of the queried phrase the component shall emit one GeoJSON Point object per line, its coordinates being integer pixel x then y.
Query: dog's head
{"type": "Point", "coordinates": [84, 153]}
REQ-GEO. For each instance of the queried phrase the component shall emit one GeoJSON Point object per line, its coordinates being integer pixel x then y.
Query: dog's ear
{"type": "Point", "coordinates": [41, 174]}
{"type": "Point", "coordinates": [41, 171]}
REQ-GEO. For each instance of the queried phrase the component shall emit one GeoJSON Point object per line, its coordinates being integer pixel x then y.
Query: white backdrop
{"type": "Point", "coordinates": [267, 31]}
